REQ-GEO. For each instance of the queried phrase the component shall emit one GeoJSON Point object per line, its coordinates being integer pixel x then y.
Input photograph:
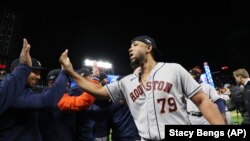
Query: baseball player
{"type": "Point", "coordinates": [194, 114]}
{"type": "Point", "coordinates": [155, 96]}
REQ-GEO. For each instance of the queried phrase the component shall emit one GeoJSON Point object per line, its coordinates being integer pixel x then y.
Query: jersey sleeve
{"type": "Point", "coordinates": [75, 103]}
{"type": "Point", "coordinates": [189, 85]}
{"type": "Point", "coordinates": [114, 91]}
{"type": "Point", "coordinates": [213, 95]}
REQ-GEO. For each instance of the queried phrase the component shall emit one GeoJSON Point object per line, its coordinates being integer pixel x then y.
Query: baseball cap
{"type": "Point", "coordinates": [53, 74]}
{"type": "Point", "coordinates": [102, 76]}
{"type": "Point", "coordinates": [196, 71]}
{"type": "Point", "coordinates": [35, 64]}
{"type": "Point", "coordinates": [159, 56]}
{"type": "Point", "coordinates": [84, 72]}
{"type": "Point", "coordinates": [145, 39]}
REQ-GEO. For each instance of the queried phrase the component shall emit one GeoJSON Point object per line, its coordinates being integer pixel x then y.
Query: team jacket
{"type": "Point", "coordinates": [123, 125]}
{"type": "Point", "coordinates": [11, 86]}
{"type": "Point", "coordinates": [19, 122]}
{"type": "Point", "coordinates": [75, 103]}
{"type": "Point", "coordinates": [84, 121]}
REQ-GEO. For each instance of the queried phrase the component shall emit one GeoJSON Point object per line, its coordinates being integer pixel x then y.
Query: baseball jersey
{"type": "Point", "coordinates": [160, 102]}
{"type": "Point", "coordinates": [191, 107]}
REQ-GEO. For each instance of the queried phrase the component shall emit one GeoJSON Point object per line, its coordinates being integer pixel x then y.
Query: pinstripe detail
{"type": "Point", "coordinates": [154, 101]}
{"type": "Point", "coordinates": [110, 95]}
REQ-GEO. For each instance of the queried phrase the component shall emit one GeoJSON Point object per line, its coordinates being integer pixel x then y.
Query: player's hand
{"type": "Point", "coordinates": [25, 54]}
{"type": "Point", "coordinates": [95, 69]}
{"type": "Point", "coordinates": [65, 61]}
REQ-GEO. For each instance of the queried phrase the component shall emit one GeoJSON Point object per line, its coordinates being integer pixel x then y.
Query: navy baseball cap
{"type": "Point", "coordinates": [159, 56]}
{"type": "Point", "coordinates": [145, 39]}
{"type": "Point", "coordinates": [35, 64]}
{"type": "Point", "coordinates": [102, 76]}
{"type": "Point", "coordinates": [84, 72]}
{"type": "Point", "coordinates": [53, 74]}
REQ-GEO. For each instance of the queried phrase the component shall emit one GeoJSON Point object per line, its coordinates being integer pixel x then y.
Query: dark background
{"type": "Point", "coordinates": [188, 33]}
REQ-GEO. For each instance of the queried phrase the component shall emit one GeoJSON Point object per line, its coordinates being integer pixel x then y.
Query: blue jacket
{"type": "Point", "coordinates": [19, 122]}
{"type": "Point", "coordinates": [84, 120]}
{"type": "Point", "coordinates": [57, 125]}
{"type": "Point", "coordinates": [123, 125]}
{"type": "Point", "coordinates": [102, 118]}
{"type": "Point", "coordinates": [12, 84]}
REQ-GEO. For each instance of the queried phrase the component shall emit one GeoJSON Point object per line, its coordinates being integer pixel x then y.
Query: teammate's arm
{"type": "Point", "coordinates": [208, 108]}
{"type": "Point", "coordinates": [96, 90]}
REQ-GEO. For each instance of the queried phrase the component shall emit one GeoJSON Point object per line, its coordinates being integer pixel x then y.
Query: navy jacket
{"type": "Point", "coordinates": [84, 120]}
{"type": "Point", "coordinates": [56, 125]}
{"type": "Point", "coordinates": [102, 118]}
{"type": "Point", "coordinates": [246, 95]}
{"type": "Point", "coordinates": [123, 125]}
{"type": "Point", "coordinates": [12, 84]}
{"type": "Point", "coordinates": [19, 122]}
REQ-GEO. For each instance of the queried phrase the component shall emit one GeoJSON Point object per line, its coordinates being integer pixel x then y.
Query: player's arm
{"type": "Point", "coordinates": [208, 108]}
{"type": "Point", "coordinates": [14, 82]}
{"type": "Point", "coordinates": [75, 103]}
{"type": "Point", "coordinates": [96, 90]}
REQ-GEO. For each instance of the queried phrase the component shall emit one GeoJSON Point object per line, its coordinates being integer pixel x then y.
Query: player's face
{"type": "Point", "coordinates": [33, 78]}
{"type": "Point", "coordinates": [237, 79]}
{"type": "Point", "coordinates": [137, 53]}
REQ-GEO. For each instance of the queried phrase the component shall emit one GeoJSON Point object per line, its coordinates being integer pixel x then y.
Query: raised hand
{"type": "Point", "coordinates": [25, 54]}
{"type": "Point", "coordinates": [95, 69]}
{"type": "Point", "coordinates": [65, 61]}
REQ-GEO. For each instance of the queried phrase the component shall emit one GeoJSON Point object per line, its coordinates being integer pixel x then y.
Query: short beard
{"type": "Point", "coordinates": [134, 64]}
{"type": "Point", "coordinates": [137, 62]}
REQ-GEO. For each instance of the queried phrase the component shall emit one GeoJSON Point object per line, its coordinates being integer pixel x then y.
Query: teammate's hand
{"type": "Point", "coordinates": [25, 54]}
{"type": "Point", "coordinates": [65, 61]}
{"type": "Point", "coordinates": [95, 69]}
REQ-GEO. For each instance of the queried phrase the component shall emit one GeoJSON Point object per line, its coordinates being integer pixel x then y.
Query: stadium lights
{"type": "Point", "coordinates": [100, 64]}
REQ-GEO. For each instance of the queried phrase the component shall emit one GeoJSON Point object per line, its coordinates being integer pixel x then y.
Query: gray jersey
{"type": "Point", "coordinates": [160, 102]}
{"type": "Point", "coordinates": [191, 107]}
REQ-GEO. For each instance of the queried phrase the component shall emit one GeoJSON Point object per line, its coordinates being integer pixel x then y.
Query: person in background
{"type": "Point", "coordinates": [194, 114]}
{"type": "Point", "coordinates": [242, 78]}
{"type": "Point", "coordinates": [76, 100]}
{"type": "Point", "coordinates": [54, 124]}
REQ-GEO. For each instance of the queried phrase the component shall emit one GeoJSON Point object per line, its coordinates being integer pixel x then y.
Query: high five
{"type": "Point", "coordinates": [155, 96]}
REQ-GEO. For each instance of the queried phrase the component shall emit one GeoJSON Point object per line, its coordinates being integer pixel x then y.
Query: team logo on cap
{"type": "Point", "coordinates": [52, 77]}
{"type": "Point", "coordinates": [148, 41]}
{"type": "Point", "coordinates": [39, 63]}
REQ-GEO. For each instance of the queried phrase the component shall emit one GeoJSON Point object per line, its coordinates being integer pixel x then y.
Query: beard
{"type": "Point", "coordinates": [137, 62]}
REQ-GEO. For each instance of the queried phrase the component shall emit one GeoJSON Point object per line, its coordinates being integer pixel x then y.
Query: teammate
{"type": "Point", "coordinates": [155, 95]}
{"type": "Point", "coordinates": [13, 83]}
{"type": "Point", "coordinates": [195, 116]}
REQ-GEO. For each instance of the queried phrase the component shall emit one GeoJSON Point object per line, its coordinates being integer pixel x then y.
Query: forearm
{"type": "Point", "coordinates": [94, 89]}
{"type": "Point", "coordinates": [211, 112]}
{"type": "Point", "coordinates": [76, 103]}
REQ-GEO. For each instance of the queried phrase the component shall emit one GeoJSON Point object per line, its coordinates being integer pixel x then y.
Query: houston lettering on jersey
{"type": "Point", "coordinates": [152, 85]}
